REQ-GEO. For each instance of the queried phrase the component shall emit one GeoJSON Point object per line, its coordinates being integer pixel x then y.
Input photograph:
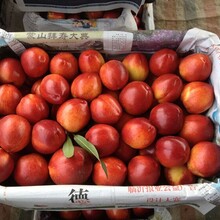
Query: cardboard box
{"type": "Point", "coordinates": [201, 196]}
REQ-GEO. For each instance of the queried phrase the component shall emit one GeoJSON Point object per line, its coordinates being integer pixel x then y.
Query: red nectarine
{"type": "Point", "coordinates": [116, 170]}
{"type": "Point", "coordinates": [137, 66]}
{"type": "Point", "coordinates": [197, 97]}
{"type": "Point", "coordinates": [195, 67]}
{"type": "Point", "coordinates": [74, 170]}
{"type": "Point", "coordinates": [31, 169]}
{"type": "Point", "coordinates": [90, 61]}
{"type": "Point", "coordinates": [35, 61]}
{"type": "Point", "coordinates": [138, 133]}
{"type": "Point", "coordinates": [64, 64]}
{"type": "Point", "coordinates": [6, 165]}
{"type": "Point", "coordinates": [114, 75]}
{"type": "Point", "coordinates": [136, 97]}
{"type": "Point", "coordinates": [172, 151]}
{"type": "Point", "coordinates": [204, 159]}
{"type": "Point", "coordinates": [15, 133]}
{"type": "Point", "coordinates": [143, 170]}
{"type": "Point", "coordinates": [164, 61]}
{"type": "Point", "coordinates": [73, 114]}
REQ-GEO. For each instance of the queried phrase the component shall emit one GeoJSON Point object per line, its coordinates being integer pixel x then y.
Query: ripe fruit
{"type": "Point", "coordinates": [195, 67]}
{"type": "Point", "coordinates": [6, 165]}
{"type": "Point", "coordinates": [104, 137]}
{"type": "Point", "coordinates": [179, 175]}
{"type": "Point", "coordinates": [74, 170]}
{"type": "Point", "coordinates": [138, 133]}
{"type": "Point", "coordinates": [70, 215]}
{"type": "Point", "coordinates": [90, 61]}
{"type": "Point", "coordinates": [167, 117]}
{"type": "Point", "coordinates": [93, 214]}
{"type": "Point", "coordinates": [74, 15]}
{"type": "Point", "coordinates": [164, 61]}
{"type": "Point", "coordinates": [143, 171]}
{"type": "Point", "coordinates": [105, 109]}
{"type": "Point", "coordinates": [204, 159]}
{"type": "Point", "coordinates": [167, 87]}
{"type": "Point", "coordinates": [35, 88]}
{"type": "Point", "coordinates": [124, 152]}
{"type": "Point", "coordinates": [116, 170]}
{"type": "Point", "coordinates": [137, 66]}
{"type": "Point", "coordinates": [64, 64]}
{"type": "Point", "coordinates": [196, 128]}
{"type": "Point", "coordinates": [123, 119]}
{"type": "Point", "coordinates": [114, 75]}
{"type": "Point", "coordinates": [86, 86]}
{"type": "Point", "coordinates": [10, 96]}
{"type": "Point", "coordinates": [197, 97]}
{"type": "Point", "coordinates": [54, 88]}
{"type": "Point", "coordinates": [35, 61]}
{"type": "Point", "coordinates": [172, 151]}
{"type": "Point", "coordinates": [55, 15]}
{"type": "Point", "coordinates": [33, 107]}
{"type": "Point", "coordinates": [136, 97]}
{"type": "Point", "coordinates": [135, 116]}
{"type": "Point", "coordinates": [47, 136]}
{"type": "Point", "coordinates": [150, 150]}
{"type": "Point", "coordinates": [114, 13]}
{"type": "Point", "coordinates": [73, 114]}
{"type": "Point", "coordinates": [11, 71]}
{"type": "Point", "coordinates": [15, 133]}
{"type": "Point", "coordinates": [94, 14]}
{"type": "Point", "coordinates": [31, 169]}
{"type": "Point", "coordinates": [118, 214]}
{"type": "Point", "coordinates": [142, 213]}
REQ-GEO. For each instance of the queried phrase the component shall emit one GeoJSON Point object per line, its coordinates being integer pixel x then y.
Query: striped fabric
{"type": "Point", "coordinates": [76, 6]}
{"type": "Point", "coordinates": [185, 14]}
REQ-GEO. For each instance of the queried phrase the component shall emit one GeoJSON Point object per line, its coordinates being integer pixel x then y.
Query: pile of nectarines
{"type": "Point", "coordinates": [92, 15]}
{"type": "Point", "coordinates": [145, 115]}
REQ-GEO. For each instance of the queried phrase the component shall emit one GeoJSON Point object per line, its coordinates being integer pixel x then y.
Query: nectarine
{"type": "Point", "coordinates": [164, 61]}
{"type": "Point", "coordinates": [136, 97]}
{"type": "Point", "coordinates": [90, 61]}
{"type": "Point", "coordinates": [15, 132]}
{"type": "Point", "coordinates": [204, 159]}
{"type": "Point", "coordinates": [31, 169]}
{"type": "Point", "coordinates": [73, 115]}
{"type": "Point", "coordinates": [74, 170]}
{"type": "Point", "coordinates": [65, 64]}
{"type": "Point", "coordinates": [143, 170]}
{"type": "Point", "coordinates": [114, 75]}
{"type": "Point", "coordinates": [179, 175]}
{"type": "Point", "coordinates": [137, 66]}
{"type": "Point", "coordinates": [35, 61]}
{"type": "Point", "coordinates": [197, 97]}
{"type": "Point", "coordinates": [172, 151]}
{"type": "Point", "coordinates": [195, 67]}
{"type": "Point", "coordinates": [138, 133]}
{"type": "Point", "coordinates": [116, 170]}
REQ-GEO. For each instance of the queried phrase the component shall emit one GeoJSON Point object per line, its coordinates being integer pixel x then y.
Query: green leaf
{"type": "Point", "coordinates": [86, 145]}
{"type": "Point", "coordinates": [104, 167]}
{"type": "Point", "coordinates": [89, 147]}
{"type": "Point", "coordinates": [68, 148]}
